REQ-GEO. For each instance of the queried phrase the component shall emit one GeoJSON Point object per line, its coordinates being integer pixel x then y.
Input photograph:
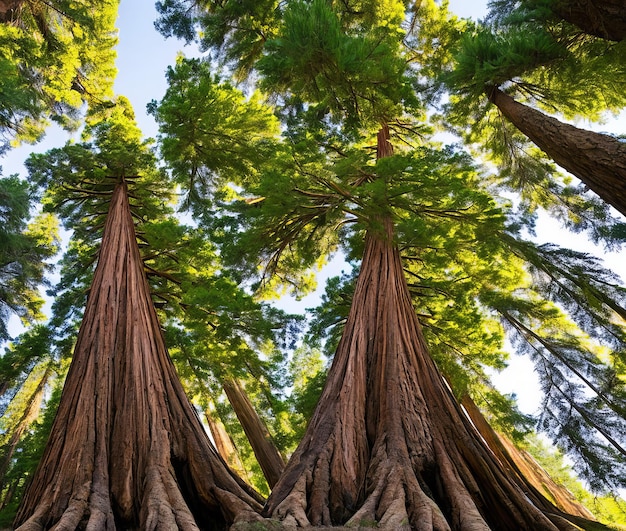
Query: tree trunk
{"type": "Point", "coordinates": [127, 449]}
{"type": "Point", "coordinates": [388, 445]}
{"type": "Point", "coordinates": [224, 443]}
{"type": "Point", "coordinates": [256, 431]}
{"type": "Point", "coordinates": [9, 10]}
{"type": "Point", "coordinates": [31, 411]}
{"type": "Point", "coordinates": [597, 160]}
{"type": "Point", "coordinates": [602, 18]}
{"type": "Point", "coordinates": [516, 462]}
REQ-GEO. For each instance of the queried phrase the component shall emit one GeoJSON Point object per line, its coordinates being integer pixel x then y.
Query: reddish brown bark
{"type": "Point", "coordinates": [603, 18]}
{"type": "Point", "coordinates": [270, 460]}
{"type": "Point", "coordinates": [127, 449]}
{"type": "Point", "coordinates": [597, 160]}
{"type": "Point", "coordinates": [388, 444]}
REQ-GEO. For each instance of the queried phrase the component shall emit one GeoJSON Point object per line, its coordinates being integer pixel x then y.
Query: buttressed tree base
{"type": "Point", "coordinates": [127, 450]}
{"type": "Point", "coordinates": [388, 444]}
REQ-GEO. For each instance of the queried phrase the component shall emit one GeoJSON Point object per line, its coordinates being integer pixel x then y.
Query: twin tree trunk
{"type": "Point", "coordinates": [127, 449]}
{"type": "Point", "coordinates": [597, 160]}
{"type": "Point", "coordinates": [388, 444]}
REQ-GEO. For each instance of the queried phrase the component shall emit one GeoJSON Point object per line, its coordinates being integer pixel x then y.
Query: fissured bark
{"type": "Point", "coordinates": [603, 18]}
{"type": "Point", "coordinates": [598, 160]}
{"type": "Point", "coordinates": [127, 449]}
{"type": "Point", "coordinates": [388, 445]}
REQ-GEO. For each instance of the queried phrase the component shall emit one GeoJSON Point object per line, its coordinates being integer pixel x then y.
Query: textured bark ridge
{"type": "Point", "coordinates": [9, 10]}
{"type": "Point", "coordinates": [597, 160]}
{"type": "Point", "coordinates": [388, 445]}
{"type": "Point", "coordinates": [127, 450]}
{"type": "Point", "coordinates": [603, 18]}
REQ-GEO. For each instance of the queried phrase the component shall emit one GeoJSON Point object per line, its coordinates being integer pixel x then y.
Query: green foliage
{"type": "Point", "coordinates": [543, 62]}
{"type": "Point", "coordinates": [28, 455]}
{"type": "Point", "coordinates": [53, 59]}
{"type": "Point", "coordinates": [20, 357]}
{"type": "Point", "coordinates": [610, 510]}
{"type": "Point", "coordinates": [486, 59]}
{"type": "Point", "coordinates": [211, 134]}
{"type": "Point", "coordinates": [238, 29]}
{"type": "Point", "coordinates": [356, 76]}
{"type": "Point", "coordinates": [307, 377]}
{"type": "Point", "coordinates": [25, 248]}
{"type": "Point", "coordinates": [584, 396]}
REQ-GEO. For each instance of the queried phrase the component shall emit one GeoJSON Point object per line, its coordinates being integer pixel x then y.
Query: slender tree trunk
{"type": "Point", "coordinates": [31, 411]}
{"type": "Point", "coordinates": [603, 18]}
{"type": "Point", "coordinates": [9, 494]}
{"type": "Point", "coordinates": [264, 449]}
{"type": "Point", "coordinates": [531, 477]}
{"type": "Point", "coordinates": [127, 450]}
{"type": "Point", "coordinates": [388, 445]}
{"type": "Point", "coordinates": [597, 160]}
{"type": "Point", "coordinates": [224, 443]}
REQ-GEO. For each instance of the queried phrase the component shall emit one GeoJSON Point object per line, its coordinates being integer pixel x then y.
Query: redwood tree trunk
{"type": "Point", "coordinates": [597, 160]}
{"type": "Point", "coordinates": [603, 18]}
{"type": "Point", "coordinates": [270, 460]}
{"type": "Point", "coordinates": [127, 450]}
{"type": "Point", "coordinates": [388, 444]}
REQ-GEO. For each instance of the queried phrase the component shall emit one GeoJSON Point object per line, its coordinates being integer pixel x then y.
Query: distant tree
{"type": "Point", "coordinates": [527, 58]}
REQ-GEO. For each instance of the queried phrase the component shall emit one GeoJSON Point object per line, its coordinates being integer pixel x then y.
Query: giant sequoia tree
{"type": "Point", "coordinates": [414, 459]}
{"type": "Point", "coordinates": [395, 440]}
{"type": "Point", "coordinates": [127, 449]}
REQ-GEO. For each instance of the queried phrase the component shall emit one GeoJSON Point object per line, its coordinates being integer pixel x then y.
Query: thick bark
{"type": "Point", "coordinates": [224, 443]}
{"type": "Point", "coordinates": [127, 449]}
{"type": "Point", "coordinates": [269, 458]}
{"type": "Point", "coordinates": [597, 160]}
{"type": "Point", "coordinates": [388, 444]}
{"type": "Point", "coordinates": [9, 10]}
{"type": "Point", "coordinates": [521, 465]}
{"type": "Point", "coordinates": [602, 18]}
